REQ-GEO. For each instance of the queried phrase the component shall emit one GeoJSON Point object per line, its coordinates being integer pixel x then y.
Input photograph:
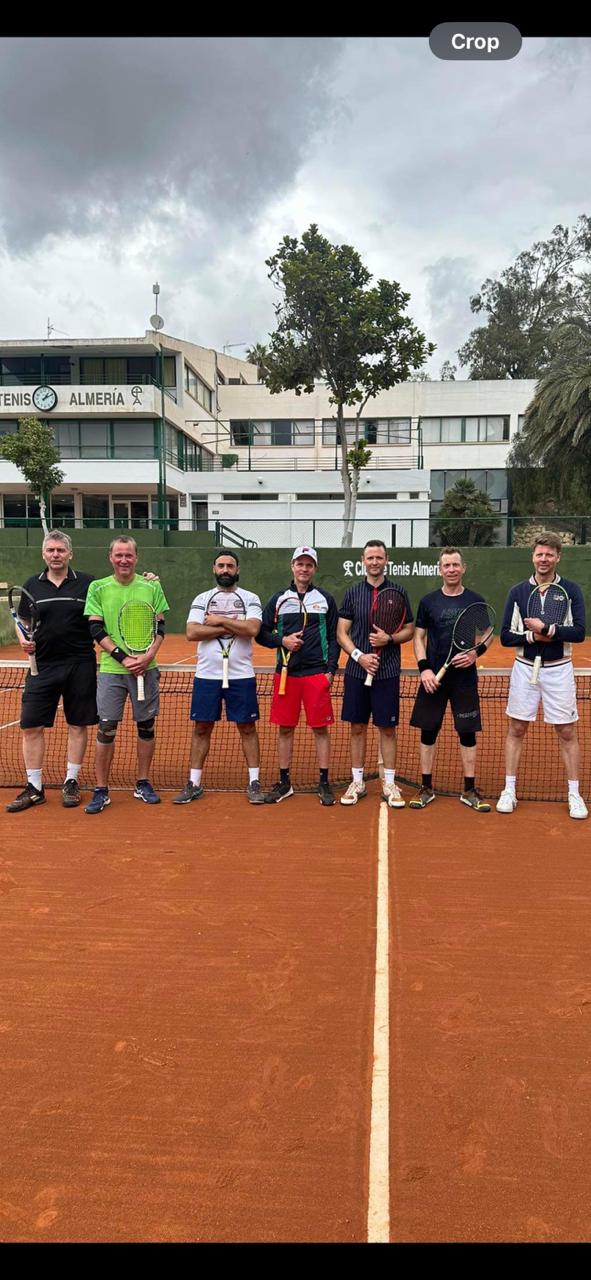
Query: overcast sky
{"type": "Point", "coordinates": [126, 161]}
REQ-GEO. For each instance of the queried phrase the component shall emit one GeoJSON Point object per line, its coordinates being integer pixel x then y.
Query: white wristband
{"type": "Point", "coordinates": [356, 654]}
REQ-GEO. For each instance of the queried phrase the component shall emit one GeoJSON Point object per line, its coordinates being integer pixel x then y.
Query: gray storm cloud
{"type": "Point", "coordinates": [106, 131]}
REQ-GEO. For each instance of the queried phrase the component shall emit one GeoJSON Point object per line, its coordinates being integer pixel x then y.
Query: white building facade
{"type": "Point", "coordinates": [159, 432]}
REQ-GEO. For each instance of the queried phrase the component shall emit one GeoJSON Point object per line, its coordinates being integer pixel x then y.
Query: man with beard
{"type": "Point", "coordinates": [224, 620]}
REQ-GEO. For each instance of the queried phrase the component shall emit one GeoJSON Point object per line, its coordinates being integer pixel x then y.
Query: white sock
{"type": "Point", "coordinates": [389, 776]}
{"type": "Point", "coordinates": [72, 771]}
{"type": "Point", "coordinates": [573, 787]}
{"type": "Point", "coordinates": [253, 775]}
{"type": "Point", "coordinates": [357, 775]}
{"type": "Point", "coordinates": [34, 776]}
{"type": "Point", "coordinates": [510, 784]}
{"type": "Point", "coordinates": [195, 776]}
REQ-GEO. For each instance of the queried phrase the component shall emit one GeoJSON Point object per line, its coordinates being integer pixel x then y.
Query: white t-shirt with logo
{"type": "Point", "coordinates": [209, 652]}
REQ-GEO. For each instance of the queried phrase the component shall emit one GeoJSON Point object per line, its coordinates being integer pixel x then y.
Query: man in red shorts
{"type": "Point", "coordinates": [300, 622]}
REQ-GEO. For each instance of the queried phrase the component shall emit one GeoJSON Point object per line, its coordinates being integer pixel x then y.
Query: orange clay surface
{"type": "Point", "coordinates": [491, 1023]}
{"type": "Point", "coordinates": [186, 1022]}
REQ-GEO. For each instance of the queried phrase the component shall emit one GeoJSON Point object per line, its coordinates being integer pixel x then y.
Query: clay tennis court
{"type": "Point", "coordinates": [228, 1023]}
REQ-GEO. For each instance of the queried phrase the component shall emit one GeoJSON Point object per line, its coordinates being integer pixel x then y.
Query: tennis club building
{"type": "Point", "coordinates": [155, 430]}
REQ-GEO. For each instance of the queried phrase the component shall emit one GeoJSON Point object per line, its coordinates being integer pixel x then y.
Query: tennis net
{"type": "Point", "coordinates": [541, 775]}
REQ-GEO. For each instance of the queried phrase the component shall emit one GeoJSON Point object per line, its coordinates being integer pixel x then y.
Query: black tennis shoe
{"type": "Point", "coordinates": [281, 791]}
{"type": "Point", "coordinates": [71, 794]}
{"type": "Point", "coordinates": [326, 794]}
{"type": "Point", "coordinates": [27, 799]}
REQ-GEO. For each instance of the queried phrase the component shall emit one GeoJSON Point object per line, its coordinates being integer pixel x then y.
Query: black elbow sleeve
{"type": "Point", "coordinates": [97, 629]}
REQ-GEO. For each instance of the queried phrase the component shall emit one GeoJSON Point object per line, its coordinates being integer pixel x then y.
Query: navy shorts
{"type": "Point", "coordinates": [75, 682]}
{"type": "Point", "coordinates": [381, 701]}
{"type": "Point", "coordinates": [459, 690]}
{"type": "Point", "coordinates": [240, 699]}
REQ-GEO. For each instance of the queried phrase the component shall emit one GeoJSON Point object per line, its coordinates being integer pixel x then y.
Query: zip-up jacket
{"type": "Point", "coordinates": [282, 616]}
{"type": "Point", "coordinates": [556, 651]}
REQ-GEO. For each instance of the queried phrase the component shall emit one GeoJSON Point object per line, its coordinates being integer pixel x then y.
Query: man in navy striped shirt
{"type": "Point", "coordinates": [371, 650]}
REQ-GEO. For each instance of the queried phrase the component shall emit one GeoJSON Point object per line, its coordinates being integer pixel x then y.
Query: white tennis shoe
{"type": "Point", "coordinates": [576, 806]}
{"type": "Point", "coordinates": [506, 802]}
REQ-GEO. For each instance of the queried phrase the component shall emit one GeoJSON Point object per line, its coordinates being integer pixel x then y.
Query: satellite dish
{"type": "Point", "coordinates": [156, 322]}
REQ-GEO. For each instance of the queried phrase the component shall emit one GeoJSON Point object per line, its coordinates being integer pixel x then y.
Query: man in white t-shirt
{"type": "Point", "coordinates": [224, 620]}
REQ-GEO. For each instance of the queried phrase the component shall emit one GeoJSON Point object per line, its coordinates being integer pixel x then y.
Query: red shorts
{"type": "Point", "coordinates": [313, 691]}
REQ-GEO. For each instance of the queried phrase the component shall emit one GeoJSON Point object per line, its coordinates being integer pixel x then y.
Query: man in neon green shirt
{"type": "Point", "coordinates": [119, 670]}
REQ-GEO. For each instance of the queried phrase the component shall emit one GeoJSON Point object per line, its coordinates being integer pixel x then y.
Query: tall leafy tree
{"type": "Point", "coordinates": [551, 458]}
{"type": "Point", "coordinates": [333, 327]}
{"type": "Point", "coordinates": [257, 354]}
{"type": "Point", "coordinates": [467, 517]}
{"type": "Point", "coordinates": [33, 451]}
{"type": "Point", "coordinates": [539, 306]}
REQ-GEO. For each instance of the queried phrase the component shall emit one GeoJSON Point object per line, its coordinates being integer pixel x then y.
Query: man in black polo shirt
{"type": "Point", "coordinates": [67, 668]}
{"type": "Point", "coordinates": [371, 650]}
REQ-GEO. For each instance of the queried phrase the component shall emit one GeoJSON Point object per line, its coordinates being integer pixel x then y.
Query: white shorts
{"type": "Point", "coordinates": [556, 687]}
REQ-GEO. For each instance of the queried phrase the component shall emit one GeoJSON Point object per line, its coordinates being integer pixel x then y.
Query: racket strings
{"type": "Point", "coordinates": [390, 611]}
{"type": "Point", "coordinates": [136, 624]}
{"type": "Point", "coordinates": [474, 626]}
{"type": "Point", "coordinates": [551, 606]}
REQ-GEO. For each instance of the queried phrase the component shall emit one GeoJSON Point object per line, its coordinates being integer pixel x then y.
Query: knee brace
{"type": "Point", "coordinates": [145, 729]}
{"type": "Point", "coordinates": [106, 732]}
{"type": "Point", "coordinates": [467, 739]}
{"type": "Point", "coordinates": [429, 737]}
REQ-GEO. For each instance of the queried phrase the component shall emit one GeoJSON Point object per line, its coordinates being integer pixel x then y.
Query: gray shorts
{"type": "Point", "coordinates": [114, 689]}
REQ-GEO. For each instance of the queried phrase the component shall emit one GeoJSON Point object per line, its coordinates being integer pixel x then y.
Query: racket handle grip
{"type": "Point", "coordinates": [33, 668]}
{"type": "Point", "coordinates": [225, 674]}
{"type": "Point", "coordinates": [141, 692]}
{"type": "Point", "coordinates": [283, 680]}
{"type": "Point", "coordinates": [369, 679]}
{"type": "Point", "coordinates": [441, 673]}
{"type": "Point", "coordinates": [535, 671]}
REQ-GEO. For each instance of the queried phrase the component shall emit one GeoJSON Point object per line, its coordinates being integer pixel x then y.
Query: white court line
{"type": "Point", "coordinates": [9, 724]}
{"type": "Point", "coordinates": [378, 1207]}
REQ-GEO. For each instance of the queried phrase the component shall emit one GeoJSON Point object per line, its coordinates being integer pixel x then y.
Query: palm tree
{"type": "Point", "coordinates": [557, 423]}
{"type": "Point", "coordinates": [258, 354]}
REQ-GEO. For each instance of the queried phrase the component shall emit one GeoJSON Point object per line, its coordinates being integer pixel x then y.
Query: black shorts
{"type": "Point", "coordinates": [460, 692]}
{"type": "Point", "coordinates": [380, 700]}
{"type": "Point", "coordinates": [75, 682]}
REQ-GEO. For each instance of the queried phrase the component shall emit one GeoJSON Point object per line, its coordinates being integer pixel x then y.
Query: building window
{"type": "Point", "coordinates": [198, 515]}
{"type": "Point", "coordinates": [95, 511]}
{"type": "Point", "coordinates": [280, 432]}
{"type": "Point", "coordinates": [62, 512]}
{"type": "Point", "coordinates": [32, 370]}
{"type": "Point", "coordinates": [491, 429]}
{"type": "Point", "coordinates": [197, 389]}
{"type": "Point", "coordinates": [372, 430]}
{"type": "Point", "coordinates": [20, 508]}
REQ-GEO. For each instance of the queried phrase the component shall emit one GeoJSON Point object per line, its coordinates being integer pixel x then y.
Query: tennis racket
{"type": "Point", "coordinates": [388, 612]}
{"type": "Point", "coordinates": [232, 605]}
{"type": "Point", "coordinates": [288, 607]}
{"type": "Point", "coordinates": [137, 622]}
{"type": "Point", "coordinates": [472, 627]}
{"type": "Point", "coordinates": [25, 612]}
{"type": "Point", "coordinates": [551, 604]}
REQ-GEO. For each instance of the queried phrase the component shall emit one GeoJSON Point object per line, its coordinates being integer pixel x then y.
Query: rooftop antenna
{"type": "Point", "coordinates": [228, 346]}
{"type": "Point", "coordinates": [156, 321]}
{"type": "Point", "coordinates": [52, 329]}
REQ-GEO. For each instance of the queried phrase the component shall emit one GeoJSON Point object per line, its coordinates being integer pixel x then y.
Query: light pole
{"type": "Point", "coordinates": [157, 323]}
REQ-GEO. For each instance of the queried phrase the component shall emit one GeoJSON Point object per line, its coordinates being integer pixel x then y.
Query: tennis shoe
{"type": "Point", "coordinates": [255, 792]}
{"type": "Point", "coordinates": [100, 800]}
{"type": "Point", "coordinates": [423, 797]}
{"type": "Point", "coordinates": [189, 792]}
{"type": "Point", "coordinates": [576, 806]}
{"type": "Point", "coordinates": [326, 794]}
{"type": "Point", "coordinates": [281, 791]}
{"type": "Point", "coordinates": [475, 801]}
{"type": "Point", "coordinates": [71, 794]}
{"type": "Point", "coordinates": [506, 802]}
{"type": "Point", "coordinates": [355, 791]}
{"type": "Point", "coordinates": [145, 791]}
{"type": "Point", "coordinates": [391, 794]}
{"type": "Point", "coordinates": [27, 799]}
